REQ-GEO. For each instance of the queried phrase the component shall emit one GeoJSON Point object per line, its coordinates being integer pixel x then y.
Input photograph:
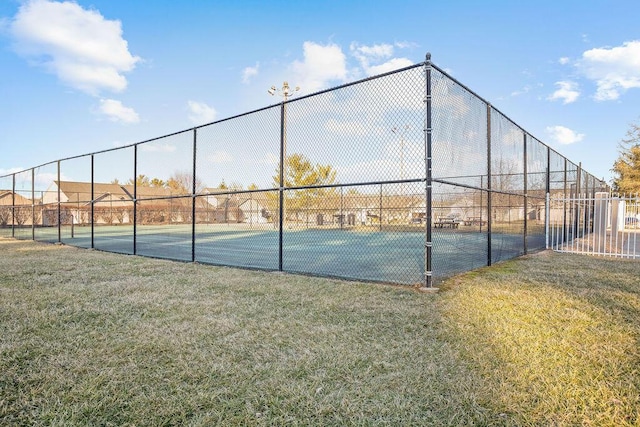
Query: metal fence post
{"type": "Point", "coordinates": [135, 199]}
{"type": "Point", "coordinates": [428, 245]}
{"type": "Point", "coordinates": [481, 193]}
{"type": "Point", "coordinates": [526, 200]}
{"type": "Point", "coordinates": [577, 232]}
{"type": "Point", "coordinates": [59, 211]}
{"type": "Point", "coordinates": [13, 206]}
{"type": "Point", "coordinates": [92, 197]}
{"type": "Point", "coordinates": [281, 209]}
{"type": "Point", "coordinates": [33, 204]}
{"type": "Point", "coordinates": [341, 218]}
{"type": "Point", "coordinates": [193, 198]}
{"type": "Point", "coordinates": [380, 219]}
{"type": "Point", "coordinates": [489, 195]}
{"type": "Point", "coordinates": [547, 213]}
{"type": "Point", "coordinates": [564, 203]}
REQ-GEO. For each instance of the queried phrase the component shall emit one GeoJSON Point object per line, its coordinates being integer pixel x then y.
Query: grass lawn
{"type": "Point", "coordinates": [94, 338]}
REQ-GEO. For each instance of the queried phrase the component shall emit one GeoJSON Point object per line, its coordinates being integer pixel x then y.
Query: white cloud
{"type": "Point", "coordinates": [116, 112]}
{"type": "Point", "coordinates": [82, 48]}
{"type": "Point", "coordinates": [451, 102]}
{"type": "Point", "coordinates": [567, 92]}
{"type": "Point", "coordinates": [201, 113]}
{"type": "Point", "coordinates": [46, 179]}
{"type": "Point", "coordinates": [564, 135]}
{"type": "Point", "coordinates": [615, 70]}
{"type": "Point", "coordinates": [393, 64]}
{"type": "Point", "coordinates": [158, 148]}
{"type": "Point", "coordinates": [564, 60]}
{"type": "Point", "coordinates": [366, 55]}
{"type": "Point", "coordinates": [352, 127]}
{"type": "Point", "coordinates": [250, 72]}
{"type": "Point", "coordinates": [522, 91]}
{"type": "Point", "coordinates": [325, 65]}
{"type": "Point", "coordinates": [269, 159]}
{"type": "Point", "coordinates": [321, 65]}
{"type": "Point", "coordinates": [220, 157]}
{"type": "Point", "coordinates": [10, 171]}
{"type": "Point", "coordinates": [406, 45]}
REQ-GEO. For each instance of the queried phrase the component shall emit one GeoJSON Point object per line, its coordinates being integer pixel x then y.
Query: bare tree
{"type": "Point", "coordinates": [5, 215]}
{"type": "Point", "coordinates": [182, 182]}
{"type": "Point", "coordinates": [627, 166]}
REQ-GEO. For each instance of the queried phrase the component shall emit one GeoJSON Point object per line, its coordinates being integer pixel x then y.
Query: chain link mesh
{"type": "Point", "coordinates": [507, 183]}
{"type": "Point", "coordinates": [238, 208]}
{"type": "Point", "coordinates": [112, 172]}
{"type": "Point", "coordinates": [460, 234]}
{"type": "Point", "coordinates": [74, 187]}
{"type": "Point", "coordinates": [354, 198]}
{"type": "Point", "coordinates": [507, 157]}
{"type": "Point", "coordinates": [537, 155]}
{"type": "Point", "coordinates": [23, 213]}
{"type": "Point", "coordinates": [459, 133]}
{"type": "Point", "coordinates": [6, 206]}
{"type": "Point", "coordinates": [45, 212]}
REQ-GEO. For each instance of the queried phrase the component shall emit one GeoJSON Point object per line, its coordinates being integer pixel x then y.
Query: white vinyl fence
{"type": "Point", "coordinates": [606, 225]}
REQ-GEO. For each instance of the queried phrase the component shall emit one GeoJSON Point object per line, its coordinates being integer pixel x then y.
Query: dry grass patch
{"type": "Point", "coordinates": [555, 337]}
{"type": "Point", "coordinates": [92, 338]}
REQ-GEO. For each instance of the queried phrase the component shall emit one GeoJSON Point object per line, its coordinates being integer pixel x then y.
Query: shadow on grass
{"type": "Point", "coordinates": [555, 338]}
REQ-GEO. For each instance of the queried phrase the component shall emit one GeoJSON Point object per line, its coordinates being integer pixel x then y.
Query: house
{"type": "Point", "coordinates": [221, 206]}
{"type": "Point", "coordinates": [112, 204]}
{"type": "Point", "coordinates": [22, 213]}
{"type": "Point", "coordinates": [160, 205]}
{"type": "Point", "coordinates": [9, 198]}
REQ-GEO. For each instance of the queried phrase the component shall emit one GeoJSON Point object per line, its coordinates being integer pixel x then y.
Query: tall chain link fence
{"type": "Point", "coordinates": [403, 178]}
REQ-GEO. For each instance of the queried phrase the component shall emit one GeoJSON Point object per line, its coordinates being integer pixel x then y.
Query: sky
{"type": "Point", "coordinates": [90, 75]}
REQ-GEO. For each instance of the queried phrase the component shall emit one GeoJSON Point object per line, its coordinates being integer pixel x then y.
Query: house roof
{"type": "Point", "coordinates": [144, 192]}
{"type": "Point", "coordinates": [81, 191]}
{"type": "Point", "coordinates": [238, 199]}
{"type": "Point", "coordinates": [7, 200]}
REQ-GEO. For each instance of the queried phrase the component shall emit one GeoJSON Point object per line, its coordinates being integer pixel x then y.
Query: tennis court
{"type": "Point", "coordinates": [384, 256]}
{"type": "Point", "coordinates": [354, 174]}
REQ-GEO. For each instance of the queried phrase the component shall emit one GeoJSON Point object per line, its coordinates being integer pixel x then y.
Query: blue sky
{"type": "Point", "coordinates": [89, 75]}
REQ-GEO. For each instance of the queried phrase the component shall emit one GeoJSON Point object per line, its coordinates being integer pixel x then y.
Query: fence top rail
{"type": "Point", "coordinates": [192, 129]}
{"type": "Point", "coordinates": [427, 62]}
{"type": "Point", "coordinates": [465, 87]}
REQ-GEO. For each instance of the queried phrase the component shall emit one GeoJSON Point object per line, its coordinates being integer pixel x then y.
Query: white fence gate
{"type": "Point", "coordinates": [606, 225]}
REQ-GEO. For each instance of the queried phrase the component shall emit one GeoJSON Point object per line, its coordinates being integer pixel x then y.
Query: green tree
{"type": "Point", "coordinates": [233, 186]}
{"type": "Point", "coordinates": [158, 183]}
{"type": "Point", "coordinates": [627, 167]}
{"type": "Point", "coordinates": [300, 172]}
{"type": "Point", "coordinates": [141, 181]}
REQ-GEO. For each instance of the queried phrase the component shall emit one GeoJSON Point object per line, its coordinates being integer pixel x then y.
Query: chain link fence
{"type": "Point", "coordinates": [402, 178]}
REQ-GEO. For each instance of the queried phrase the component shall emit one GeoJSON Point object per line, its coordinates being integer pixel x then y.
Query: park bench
{"type": "Point", "coordinates": [474, 220]}
{"type": "Point", "coordinates": [446, 222]}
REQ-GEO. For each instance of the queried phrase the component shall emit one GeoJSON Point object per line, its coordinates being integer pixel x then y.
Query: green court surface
{"type": "Point", "coordinates": [359, 254]}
